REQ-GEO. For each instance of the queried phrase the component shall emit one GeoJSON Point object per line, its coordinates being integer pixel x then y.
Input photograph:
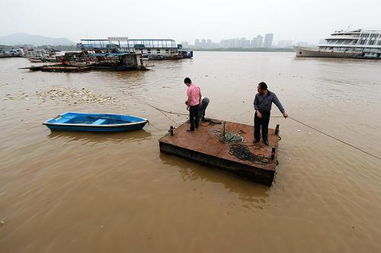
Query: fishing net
{"type": "Point", "coordinates": [242, 152]}
{"type": "Point", "coordinates": [229, 137]}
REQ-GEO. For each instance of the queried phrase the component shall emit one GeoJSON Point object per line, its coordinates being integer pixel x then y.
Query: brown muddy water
{"type": "Point", "coordinates": [81, 192]}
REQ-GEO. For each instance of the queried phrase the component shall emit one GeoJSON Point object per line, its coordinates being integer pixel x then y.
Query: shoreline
{"type": "Point", "coordinates": [280, 50]}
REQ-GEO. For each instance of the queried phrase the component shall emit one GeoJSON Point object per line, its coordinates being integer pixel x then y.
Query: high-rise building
{"type": "Point", "coordinates": [257, 42]}
{"type": "Point", "coordinates": [197, 43]}
{"type": "Point", "coordinates": [285, 43]}
{"type": "Point", "coordinates": [268, 40]}
{"type": "Point", "coordinates": [203, 43]}
{"type": "Point", "coordinates": [244, 43]}
{"type": "Point", "coordinates": [209, 43]}
{"type": "Point", "coordinates": [230, 43]}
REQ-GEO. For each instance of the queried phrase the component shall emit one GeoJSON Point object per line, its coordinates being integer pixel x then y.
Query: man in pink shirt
{"type": "Point", "coordinates": [194, 98]}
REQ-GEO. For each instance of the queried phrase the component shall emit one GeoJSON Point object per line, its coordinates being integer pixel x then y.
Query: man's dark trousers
{"type": "Point", "coordinates": [193, 117]}
{"type": "Point", "coordinates": [264, 122]}
{"type": "Point", "coordinates": [202, 108]}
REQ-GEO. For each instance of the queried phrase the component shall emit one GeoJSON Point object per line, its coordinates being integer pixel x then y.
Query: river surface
{"type": "Point", "coordinates": [81, 192]}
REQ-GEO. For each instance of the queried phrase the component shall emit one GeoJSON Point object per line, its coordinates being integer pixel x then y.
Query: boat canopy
{"type": "Point", "coordinates": [109, 54]}
{"type": "Point", "coordinates": [126, 43]}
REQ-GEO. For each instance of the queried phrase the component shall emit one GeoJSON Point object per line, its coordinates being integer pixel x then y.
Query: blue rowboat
{"type": "Point", "coordinates": [91, 122]}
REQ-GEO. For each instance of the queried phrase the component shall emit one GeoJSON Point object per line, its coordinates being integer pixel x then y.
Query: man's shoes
{"type": "Point", "coordinates": [190, 130]}
{"type": "Point", "coordinates": [255, 141]}
{"type": "Point", "coordinates": [266, 142]}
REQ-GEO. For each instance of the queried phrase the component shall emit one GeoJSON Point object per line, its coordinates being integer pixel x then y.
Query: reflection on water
{"type": "Point", "coordinates": [132, 136]}
{"type": "Point", "coordinates": [86, 192]}
{"type": "Point", "coordinates": [251, 195]}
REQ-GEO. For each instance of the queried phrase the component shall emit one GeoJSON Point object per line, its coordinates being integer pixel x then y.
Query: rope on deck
{"type": "Point", "coordinates": [242, 152]}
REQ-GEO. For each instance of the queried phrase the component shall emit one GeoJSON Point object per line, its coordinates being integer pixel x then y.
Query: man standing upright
{"type": "Point", "coordinates": [193, 102]}
{"type": "Point", "coordinates": [262, 105]}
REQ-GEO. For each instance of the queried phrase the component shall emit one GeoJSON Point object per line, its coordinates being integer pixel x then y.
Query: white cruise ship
{"type": "Point", "coordinates": [364, 44]}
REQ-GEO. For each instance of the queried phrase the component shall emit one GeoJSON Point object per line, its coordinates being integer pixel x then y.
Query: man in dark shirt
{"type": "Point", "coordinates": [262, 105]}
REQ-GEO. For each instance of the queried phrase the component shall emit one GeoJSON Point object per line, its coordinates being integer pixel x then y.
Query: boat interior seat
{"type": "Point", "coordinates": [99, 122]}
{"type": "Point", "coordinates": [65, 119]}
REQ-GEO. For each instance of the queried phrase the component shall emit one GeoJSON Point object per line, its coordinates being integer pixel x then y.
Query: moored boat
{"type": "Point", "coordinates": [93, 122]}
{"type": "Point", "coordinates": [59, 68]}
{"type": "Point", "coordinates": [362, 44]}
{"type": "Point", "coordinates": [312, 52]}
{"type": "Point", "coordinates": [14, 52]}
{"type": "Point", "coordinates": [80, 62]}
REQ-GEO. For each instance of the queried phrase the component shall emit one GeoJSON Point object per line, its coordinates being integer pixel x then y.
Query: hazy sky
{"type": "Point", "coordinates": [301, 20]}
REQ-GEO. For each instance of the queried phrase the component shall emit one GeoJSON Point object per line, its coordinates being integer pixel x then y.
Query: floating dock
{"type": "Point", "coordinates": [59, 68]}
{"type": "Point", "coordinates": [71, 68]}
{"type": "Point", "coordinates": [226, 145]}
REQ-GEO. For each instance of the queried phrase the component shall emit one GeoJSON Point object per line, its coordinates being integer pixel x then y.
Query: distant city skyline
{"type": "Point", "coordinates": [258, 41]}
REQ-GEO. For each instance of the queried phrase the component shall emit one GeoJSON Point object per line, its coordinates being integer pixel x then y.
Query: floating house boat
{"type": "Point", "coordinates": [37, 55]}
{"type": "Point", "coordinates": [363, 44]}
{"type": "Point", "coordinates": [85, 61]}
{"type": "Point", "coordinates": [153, 49]}
{"type": "Point", "coordinates": [101, 60]}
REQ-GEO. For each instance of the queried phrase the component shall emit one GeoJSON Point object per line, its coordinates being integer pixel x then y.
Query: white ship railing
{"type": "Point", "coordinates": [352, 46]}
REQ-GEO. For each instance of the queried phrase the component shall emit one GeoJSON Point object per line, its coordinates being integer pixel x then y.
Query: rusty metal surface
{"type": "Point", "coordinates": [205, 145]}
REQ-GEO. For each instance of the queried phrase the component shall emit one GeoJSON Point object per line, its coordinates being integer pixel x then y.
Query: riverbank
{"type": "Point", "coordinates": [246, 49]}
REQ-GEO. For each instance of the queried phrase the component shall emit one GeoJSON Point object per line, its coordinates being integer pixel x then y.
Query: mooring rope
{"type": "Point", "coordinates": [165, 115]}
{"type": "Point", "coordinates": [164, 111]}
{"type": "Point", "coordinates": [336, 139]}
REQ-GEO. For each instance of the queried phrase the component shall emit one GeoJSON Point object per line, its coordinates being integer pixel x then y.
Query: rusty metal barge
{"type": "Point", "coordinates": [84, 61]}
{"type": "Point", "coordinates": [226, 145]}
